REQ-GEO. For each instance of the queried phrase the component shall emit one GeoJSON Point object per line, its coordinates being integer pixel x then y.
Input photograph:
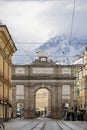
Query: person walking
{"type": "Point", "coordinates": [12, 115]}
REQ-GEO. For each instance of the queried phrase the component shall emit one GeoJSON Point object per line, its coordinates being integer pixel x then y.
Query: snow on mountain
{"type": "Point", "coordinates": [60, 48]}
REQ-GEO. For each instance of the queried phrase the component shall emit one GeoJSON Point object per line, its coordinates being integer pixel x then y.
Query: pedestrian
{"type": "Point", "coordinates": [81, 115]}
{"type": "Point", "coordinates": [78, 115]}
{"type": "Point", "coordinates": [12, 115]}
{"type": "Point", "coordinates": [75, 111]}
{"type": "Point", "coordinates": [72, 114]}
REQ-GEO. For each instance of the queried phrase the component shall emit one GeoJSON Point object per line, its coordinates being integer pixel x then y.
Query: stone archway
{"type": "Point", "coordinates": [43, 103]}
{"type": "Point", "coordinates": [19, 109]}
{"type": "Point", "coordinates": [56, 101]}
{"type": "Point", "coordinates": [43, 73]}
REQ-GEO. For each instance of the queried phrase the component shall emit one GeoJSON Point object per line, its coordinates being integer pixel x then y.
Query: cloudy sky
{"type": "Point", "coordinates": [35, 21]}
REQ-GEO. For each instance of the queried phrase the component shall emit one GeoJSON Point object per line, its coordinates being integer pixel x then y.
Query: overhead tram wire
{"type": "Point", "coordinates": [28, 43]}
{"type": "Point", "coordinates": [53, 56]}
{"type": "Point", "coordinates": [25, 52]}
{"type": "Point", "coordinates": [71, 29]}
{"type": "Point", "coordinates": [70, 39]}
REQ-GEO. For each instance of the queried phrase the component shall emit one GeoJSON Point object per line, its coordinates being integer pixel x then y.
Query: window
{"type": "Point", "coordinates": [20, 70]}
{"type": "Point", "coordinates": [66, 92]}
{"type": "Point", "coordinates": [43, 59]}
{"type": "Point", "coordinates": [66, 71]}
{"type": "Point", "coordinates": [19, 91]}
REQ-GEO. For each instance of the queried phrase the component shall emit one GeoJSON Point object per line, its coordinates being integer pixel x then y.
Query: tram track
{"type": "Point", "coordinates": [52, 124]}
{"type": "Point", "coordinates": [49, 124]}
{"type": "Point", "coordinates": [64, 125]}
{"type": "Point", "coordinates": [33, 125]}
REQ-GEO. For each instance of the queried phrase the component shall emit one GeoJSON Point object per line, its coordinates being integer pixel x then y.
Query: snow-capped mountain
{"type": "Point", "coordinates": [61, 49]}
{"type": "Point", "coordinates": [64, 50]}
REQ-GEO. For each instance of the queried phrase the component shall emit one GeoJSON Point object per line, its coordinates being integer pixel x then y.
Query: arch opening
{"type": "Point", "coordinates": [20, 109]}
{"type": "Point", "coordinates": [43, 103]}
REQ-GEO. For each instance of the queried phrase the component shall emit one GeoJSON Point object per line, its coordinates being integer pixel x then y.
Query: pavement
{"type": "Point", "coordinates": [19, 123]}
{"type": "Point", "coordinates": [15, 124]}
{"type": "Point", "coordinates": [81, 124]}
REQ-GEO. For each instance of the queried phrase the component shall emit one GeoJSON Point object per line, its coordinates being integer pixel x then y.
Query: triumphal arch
{"type": "Point", "coordinates": [27, 79]}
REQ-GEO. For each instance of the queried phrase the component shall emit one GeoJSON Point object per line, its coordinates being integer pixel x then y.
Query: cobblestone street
{"type": "Point", "coordinates": [15, 124]}
{"type": "Point", "coordinates": [44, 124]}
{"type": "Point", "coordinates": [81, 124]}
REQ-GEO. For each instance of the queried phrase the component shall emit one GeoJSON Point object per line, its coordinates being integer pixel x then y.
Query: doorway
{"type": "Point", "coordinates": [20, 109]}
{"type": "Point", "coordinates": [43, 103]}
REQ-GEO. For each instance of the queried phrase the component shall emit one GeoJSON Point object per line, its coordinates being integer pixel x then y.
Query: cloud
{"type": "Point", "coordinates": [24, 18]}
{"type": "Point", "coordinates": [37, 21]}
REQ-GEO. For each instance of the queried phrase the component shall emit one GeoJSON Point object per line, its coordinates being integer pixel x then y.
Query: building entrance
{"type": "Point", "coordinates": [43, 103]}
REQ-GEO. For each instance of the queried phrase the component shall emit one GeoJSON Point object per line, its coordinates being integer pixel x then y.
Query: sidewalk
{"type": "Point", "coordinates": [81, 124]}
{"type": "Point", "coordinates": [15, 124]}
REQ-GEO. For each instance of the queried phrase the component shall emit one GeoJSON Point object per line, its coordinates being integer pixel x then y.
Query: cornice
{"type": "Point", "coordinates": [41, 77]}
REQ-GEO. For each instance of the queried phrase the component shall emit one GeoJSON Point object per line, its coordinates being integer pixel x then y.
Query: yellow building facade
{"type": "Point", "coordinates": [81, 87]}
{"type": "Point", "coordinates": [7, 48]}
{"type": "Point", "coordinates": [84, 80]}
